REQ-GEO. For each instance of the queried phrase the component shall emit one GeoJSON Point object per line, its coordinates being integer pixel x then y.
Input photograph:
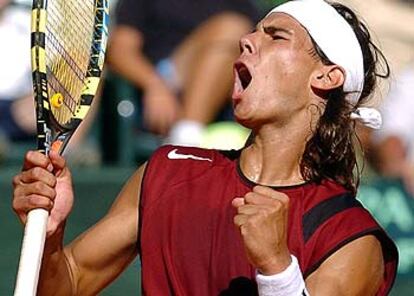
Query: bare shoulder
{"type": "Point", "coordinates": [355, 269]}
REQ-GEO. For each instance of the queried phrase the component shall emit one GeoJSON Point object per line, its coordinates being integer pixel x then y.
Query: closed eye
{"type": "Point", "coordinates": [278, 37]}
{"type": "Point", "coordinates": [277, 33]}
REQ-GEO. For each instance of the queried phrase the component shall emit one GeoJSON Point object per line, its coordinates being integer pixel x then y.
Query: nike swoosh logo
{"type": "Point", "coordinates": [174, 155]}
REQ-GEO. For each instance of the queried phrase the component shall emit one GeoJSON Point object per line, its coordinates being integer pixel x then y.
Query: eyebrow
{"type": "Point", "coordinates": [271, 29]}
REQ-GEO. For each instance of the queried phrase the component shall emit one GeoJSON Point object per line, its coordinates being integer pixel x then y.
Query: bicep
{"type": "Point", "coordinates": [355, 269]}
{"type": "Point", "coordinates": [110, 245]}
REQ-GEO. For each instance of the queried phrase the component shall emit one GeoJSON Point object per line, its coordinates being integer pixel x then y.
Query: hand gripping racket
{"type": "Point", "coordinates": [68, 49]}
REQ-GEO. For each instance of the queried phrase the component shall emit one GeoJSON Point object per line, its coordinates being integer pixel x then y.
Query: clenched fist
{"type": "Point", "coordinates": [262, 217]}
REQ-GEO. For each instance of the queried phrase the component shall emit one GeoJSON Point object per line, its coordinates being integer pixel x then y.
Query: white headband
{"type": "Point", "coordinates": [338, 41]}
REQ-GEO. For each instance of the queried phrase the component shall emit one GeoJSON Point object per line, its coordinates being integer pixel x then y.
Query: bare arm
{"type": "Point", "coordinates": [125, 57]}
{"type": "Point", "coordinates": [355, 269]}
{"type": "Point", "coordinates": [95, 258]}
{"type": "Point", "coordinates": [100, 254]}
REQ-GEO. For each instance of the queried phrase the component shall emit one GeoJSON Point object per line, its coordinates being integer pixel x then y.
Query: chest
{"type": "Point", "coordinates": [192, 223]}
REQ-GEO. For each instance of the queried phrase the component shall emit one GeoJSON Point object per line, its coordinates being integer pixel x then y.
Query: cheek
{"type": "Point", "coordinates": [280, 75]}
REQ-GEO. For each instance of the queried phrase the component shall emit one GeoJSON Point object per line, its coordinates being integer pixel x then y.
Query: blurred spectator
{"type": "Point", "coordinates": [391, 148]}
{"type": "Point", "coordinates": [17, 116]}
{"type": "Point", "coordinates": [179, 54]}
{"type": "Point", "coordinates": [394, 143]}
{"type": "Point", "coordinates": [17, 111]}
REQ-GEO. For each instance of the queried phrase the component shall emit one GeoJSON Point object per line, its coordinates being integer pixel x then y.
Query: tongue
{"type": "Point", "coordinates": [238, 86]}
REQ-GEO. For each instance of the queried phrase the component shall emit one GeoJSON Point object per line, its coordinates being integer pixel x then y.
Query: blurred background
{"type": "Point", "coordinates": [165, 82]}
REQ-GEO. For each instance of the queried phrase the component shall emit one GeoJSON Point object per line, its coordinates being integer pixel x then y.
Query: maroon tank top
{"type": "Point", "coordinates": [190, 246]}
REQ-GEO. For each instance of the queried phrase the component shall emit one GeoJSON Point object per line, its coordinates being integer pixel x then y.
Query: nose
{"type": "Point", "coordinates": [246, 45]}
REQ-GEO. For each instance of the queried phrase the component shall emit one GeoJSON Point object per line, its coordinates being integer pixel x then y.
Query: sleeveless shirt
{"type": "Point", "coordinates": [189, 244]}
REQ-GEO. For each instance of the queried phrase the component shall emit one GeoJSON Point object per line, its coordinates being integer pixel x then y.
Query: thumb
{"type": "Point", "coordinates": [58, 162]}
{"type": "Point", "coordinates": [238, 202]}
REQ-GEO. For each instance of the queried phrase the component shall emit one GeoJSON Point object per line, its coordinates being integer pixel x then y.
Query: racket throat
{"type": "Point", "coordinates": [48, 140]}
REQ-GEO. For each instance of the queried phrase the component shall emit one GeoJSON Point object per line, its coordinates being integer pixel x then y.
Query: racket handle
{"type": "Point", "coordinates": [31, 253]}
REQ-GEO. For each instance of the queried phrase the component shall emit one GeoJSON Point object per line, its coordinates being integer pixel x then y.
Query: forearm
{"type": "Point", "coordinates": [125, 57]}
{"type": "Point", "coordinates": [136, 69]}
{"type": "Point", "coordinates": [56, 272]}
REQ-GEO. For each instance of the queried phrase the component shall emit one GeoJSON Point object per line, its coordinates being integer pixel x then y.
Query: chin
{"type": "Point", "coordinates": [244, 121]}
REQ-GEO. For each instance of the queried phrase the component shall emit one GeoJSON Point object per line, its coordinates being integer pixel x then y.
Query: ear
{"type": "Point", "coordinates": [328, 77]}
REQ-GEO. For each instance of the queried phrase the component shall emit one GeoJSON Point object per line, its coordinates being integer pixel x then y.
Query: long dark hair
{"type": "Point", "coordinates": [330, 152]}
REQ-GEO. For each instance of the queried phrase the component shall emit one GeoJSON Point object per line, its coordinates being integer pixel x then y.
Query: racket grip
{"type": "Point", "coordinates": [31, 253]}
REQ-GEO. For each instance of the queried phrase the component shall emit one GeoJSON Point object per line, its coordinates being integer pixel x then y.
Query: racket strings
{"type": "Point", "coordinates": [57, 87]}
{"type": "Point", "coordinates": [77, 26]}
{"type": "Point", "coordinates": [69, 36]}
{"type": "Point", "coordinates": [58, 48]}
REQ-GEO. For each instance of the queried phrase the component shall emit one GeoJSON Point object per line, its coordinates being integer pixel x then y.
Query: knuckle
{"type": "Point", "coordinates": [277, 207]}
{"type": "Point", "coordinates": [38, 186]}
{"type": "Point", "coordinates": [37, 201]}
{"type": "Point", "coordinates": [249, 196]}
{"type": "Point", "coordinates": [36, 173]}
{"type": "Point", "coordinates": [28, 155]}
{"type": "Point", "coordinates": [32, 200]}
{"type": "Point", "coordinates": [276, 204]}
{"type": "Point", "coordinates": [285, 203]}
{"type": "Point", "coordinates": [54, 181]}
{"type": "Point", "coordinates": [283, 198]}
{"type": "Point", "coordinates": [16, 180]}
{"type": "Point", "coordinates": [16, 205]}
{"type": "Point", "coordinates": [17, 192]}
{"type": "Point", "coordinates": [276, 211]}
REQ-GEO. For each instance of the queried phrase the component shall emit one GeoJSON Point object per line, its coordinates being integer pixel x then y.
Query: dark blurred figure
{"type": "Point", "coordinates": [179, 54]}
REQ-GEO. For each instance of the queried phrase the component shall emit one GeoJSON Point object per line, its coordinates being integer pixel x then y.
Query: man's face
{"type": "Point", "coordinates": [273, 73]}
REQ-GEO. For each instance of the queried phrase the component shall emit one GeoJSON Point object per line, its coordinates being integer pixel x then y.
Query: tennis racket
{"type": "Point", "coordinates": [69, 38]}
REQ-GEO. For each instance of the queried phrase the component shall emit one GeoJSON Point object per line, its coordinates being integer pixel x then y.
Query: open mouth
{"type": "Point", "coordinates": [243, 74]}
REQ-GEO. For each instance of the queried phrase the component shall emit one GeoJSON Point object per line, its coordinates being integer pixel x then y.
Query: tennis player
{"type": "Point", "coordinates": [278, 217]}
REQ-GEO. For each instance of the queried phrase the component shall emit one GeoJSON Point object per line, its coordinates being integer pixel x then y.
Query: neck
{"type": "Point", "coordinates": [274, 156]}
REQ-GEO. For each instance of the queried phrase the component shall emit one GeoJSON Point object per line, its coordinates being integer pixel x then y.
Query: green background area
{"type": "Point", "coordinates": [96, 189]}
